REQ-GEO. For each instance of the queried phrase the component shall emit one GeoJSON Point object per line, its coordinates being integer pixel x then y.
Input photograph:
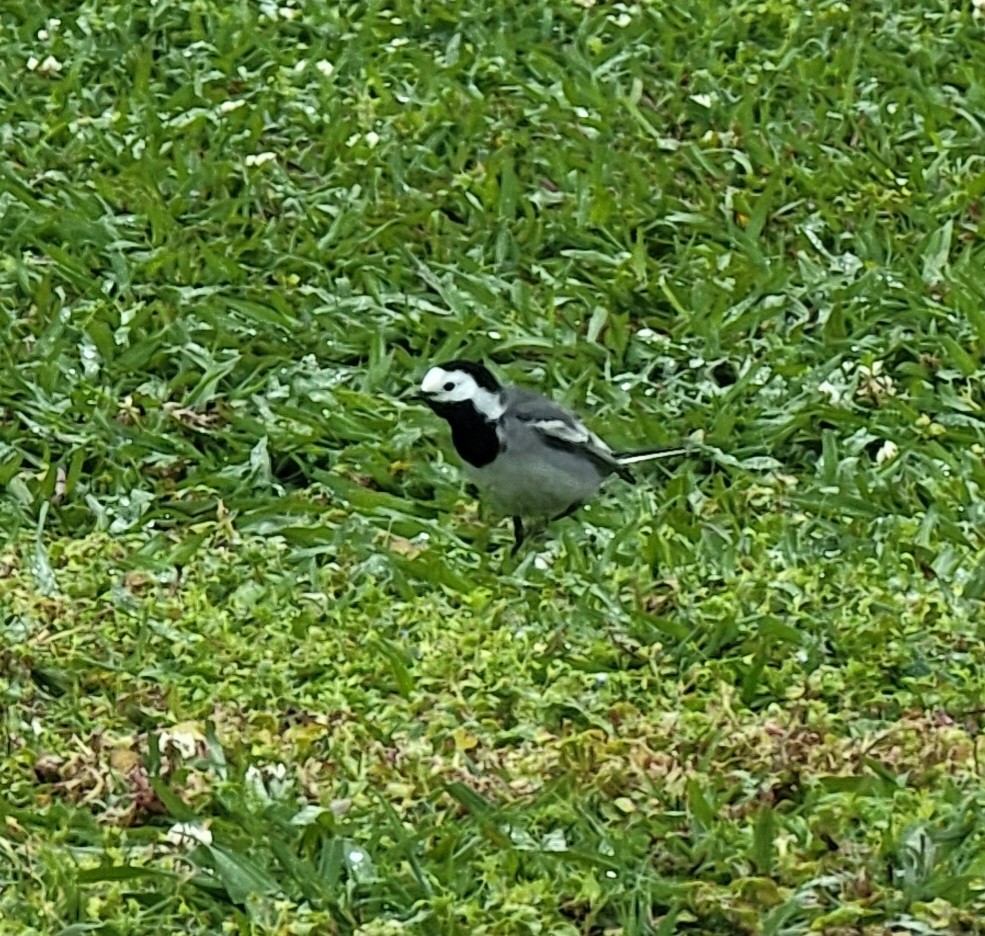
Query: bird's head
{"type": "Point", "coordinates": [457, 387]}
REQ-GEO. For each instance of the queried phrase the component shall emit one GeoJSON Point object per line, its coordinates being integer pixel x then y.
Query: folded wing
{"type": "Point", "coordinates": [561, 429]}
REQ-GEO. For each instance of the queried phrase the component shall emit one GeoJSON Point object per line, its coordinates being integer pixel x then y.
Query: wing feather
{"type": "Point", "coordinates": [561, 429]}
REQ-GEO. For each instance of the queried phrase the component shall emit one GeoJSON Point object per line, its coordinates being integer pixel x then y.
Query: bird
{"type": "Point", "coordinates": [530, 458]}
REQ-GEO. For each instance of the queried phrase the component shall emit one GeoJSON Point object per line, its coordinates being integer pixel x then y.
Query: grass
{"type": "Point", "coordinates": [243, 591]}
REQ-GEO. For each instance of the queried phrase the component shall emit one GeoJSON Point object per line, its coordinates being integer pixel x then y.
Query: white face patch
{"type": "Point", "coordinates": [448, 386]}
{"type": "Point", "coordinates": [454, 386]}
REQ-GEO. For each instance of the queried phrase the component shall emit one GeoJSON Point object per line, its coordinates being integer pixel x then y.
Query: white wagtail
{"type": "Point", "coordinates": [528, 456]}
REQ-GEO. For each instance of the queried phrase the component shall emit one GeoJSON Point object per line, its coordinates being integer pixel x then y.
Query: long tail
{"type": "Point", "coordinates": [645, 455]}
{"type": "Point", "coordinates": [624, 459]}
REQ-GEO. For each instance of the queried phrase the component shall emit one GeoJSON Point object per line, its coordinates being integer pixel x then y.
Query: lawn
{"type": "Point", "coordinates": [265, 668]}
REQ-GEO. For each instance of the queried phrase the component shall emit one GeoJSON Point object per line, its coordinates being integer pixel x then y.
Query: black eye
{"type": "Point", "coordinates": [448, 387]}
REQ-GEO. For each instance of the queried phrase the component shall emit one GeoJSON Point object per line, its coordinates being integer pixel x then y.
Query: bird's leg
{"type": "Point", "coordinates": [517, 535]}
{"type": "Point", "coordinates": [568, 512]}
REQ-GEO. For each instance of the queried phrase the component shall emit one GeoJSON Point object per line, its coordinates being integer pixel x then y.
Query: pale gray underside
{"type": "Point", "coordinates": [550, 463]}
